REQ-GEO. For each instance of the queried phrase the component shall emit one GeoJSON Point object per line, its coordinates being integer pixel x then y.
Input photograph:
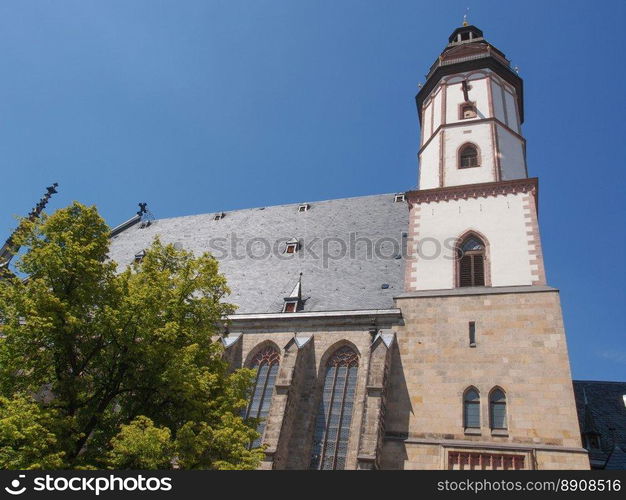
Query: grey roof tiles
{"type": "Point", "coordinates": [602, 409]}
{"type": "Point", "coordinates": [348, 249]}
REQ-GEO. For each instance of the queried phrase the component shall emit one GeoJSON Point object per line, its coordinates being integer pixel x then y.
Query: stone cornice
{"type": "Point", "coordinates": [362, 318]}
{"type": "Point", "coordinates": [459, 443]}
{"type": "Point", "coordinates": [467, 191]}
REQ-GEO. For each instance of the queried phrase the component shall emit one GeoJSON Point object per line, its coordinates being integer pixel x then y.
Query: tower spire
{"type": "Point", "coordinates": [465, 16]}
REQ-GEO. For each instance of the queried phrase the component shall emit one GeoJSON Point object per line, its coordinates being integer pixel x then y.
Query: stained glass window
{"type": "Point", "coordinates": [332, 425]}
{"type": "Point", "coordinates": [266, 363]}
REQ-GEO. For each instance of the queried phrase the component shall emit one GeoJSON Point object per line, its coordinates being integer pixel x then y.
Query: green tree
{"type": "Point", "coordinates": [27, 440]}
{"type": "Point", "coordinates": [96, 347]}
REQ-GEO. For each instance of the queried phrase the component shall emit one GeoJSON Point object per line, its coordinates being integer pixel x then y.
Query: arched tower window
{"type": "Point", "coordinates": [497, 409]}
{"type": "Point", "coordinates": [471, 262]}
{"type": "Point", "coordinates": [332, 425]}
{"type": "Point", "coordinates": [266, 363]}
{"type": "Point", "coordinates": [471, 409]}
{"type": "Point", "coordinates": [468, 156]}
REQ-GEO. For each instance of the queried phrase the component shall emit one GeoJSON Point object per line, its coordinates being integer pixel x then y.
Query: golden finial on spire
{"type": "Point", "coordinates": [465, 23]}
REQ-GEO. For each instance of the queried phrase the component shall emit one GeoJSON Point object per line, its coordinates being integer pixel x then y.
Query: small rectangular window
{"type": "Point", "coordinates": [304, 207]}
{"type": "Point", "coordinates": [468, 111]}
{"type": "Point", "coordinates": [399, 198]}
{"type": "Point", "coordinates": [472, 334]}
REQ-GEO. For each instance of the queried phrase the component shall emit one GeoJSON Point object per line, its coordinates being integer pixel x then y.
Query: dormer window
{"type": "Point", "coordinates": [139, 256]}
{"type": "Point", "coordinates": [304, 207]}
{"type": "Point", "coordinates": [399, 198]}
{"type": "Point", "coordinates": [293, 303]}
{"type": "Point", "coordinates": [292, 246]}
{"type": "Point", "coordinates": [468, 111]}
{"type": "Point", "coordinates": [592, 441]}
{"type": "Point", "coordinates": [290, 306]}
{"type": "Point", "coordinates": [219, 216]}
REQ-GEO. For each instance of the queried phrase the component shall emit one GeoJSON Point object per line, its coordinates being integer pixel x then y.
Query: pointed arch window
{"type": "Point", "coordinates": [266, 364]}
{"type": "Point", "coordinates": [471, 409]}
{"type": "Point", "coordinates": [468, 156]}
{"type": "Point", "coordinates": [471, 262]}
{"type": "Point", "coordinates": [497, 409]}
{"type": "Point", "coordinates": [332, 424]}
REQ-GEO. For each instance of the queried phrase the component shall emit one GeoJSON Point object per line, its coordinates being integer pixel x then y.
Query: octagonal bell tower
{"type": "Point", "coordinates": [470, 111]}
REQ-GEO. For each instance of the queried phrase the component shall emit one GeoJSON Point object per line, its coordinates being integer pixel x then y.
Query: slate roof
{"type": "Point", "coordinates": [602, 409]}
{"type": "Point", "coordinates": [261, 279]}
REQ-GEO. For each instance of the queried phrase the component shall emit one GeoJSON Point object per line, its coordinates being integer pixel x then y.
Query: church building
{"type": "Point", "coordinates": [411, 330]}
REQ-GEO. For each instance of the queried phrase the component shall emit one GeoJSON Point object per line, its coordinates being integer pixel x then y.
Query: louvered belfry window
{"type": "Point", "coordinates": [332, 425]}
{"type": "Point", "coordinates": [469, 157]}
{"type": "Point", "coordinates": [266, 363]}
{"type": "Point", "coordinates": [471, 265]}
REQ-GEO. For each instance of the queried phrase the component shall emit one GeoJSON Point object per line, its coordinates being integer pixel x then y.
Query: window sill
{"type": "Point", "coordinates": [473, 432]}
{"type": "Point", "coordinates": [500, 432]}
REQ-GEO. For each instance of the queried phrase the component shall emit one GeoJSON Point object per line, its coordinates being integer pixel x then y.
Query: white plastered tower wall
{"type": "Point", "coordinates": [505, 217]}
{"type": "Point", "coordinates": [506, 223]}
{"type": "Point", "coordinates": [495, 131]}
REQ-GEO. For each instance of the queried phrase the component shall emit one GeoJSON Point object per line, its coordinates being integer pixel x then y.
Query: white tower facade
{"type": "Point", "coordinates": [480, 107]}
{"type": "Point", "coordinates": [474, 217]}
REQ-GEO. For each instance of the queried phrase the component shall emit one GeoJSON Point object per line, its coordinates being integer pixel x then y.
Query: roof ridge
{"type": "Point", "coordinates": [380, 195]}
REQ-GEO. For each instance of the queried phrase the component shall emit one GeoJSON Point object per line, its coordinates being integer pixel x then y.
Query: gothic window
{"type": "Point", "coordinates": [266, 363]}
{"type": "Point", "coordinates": [471, 409]}
{"type": "Point", "coordinates": [468, 156]}
{"type": "Point", "coordinates": [332, 425]}
{"type": "Point", "coordinates": [471, 262]}
{"type": "Point", "coordinates": [497, 409]}
{"type": "Point", "coordinates": [468, 111]}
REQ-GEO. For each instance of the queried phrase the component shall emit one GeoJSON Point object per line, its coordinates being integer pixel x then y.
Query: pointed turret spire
{"type": "Point", "coordinates": [293, 302]}
{"type": "Point", "coordinates": [10, 248]}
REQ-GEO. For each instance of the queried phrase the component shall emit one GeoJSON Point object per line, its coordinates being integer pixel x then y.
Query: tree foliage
{"type": "Point", "coordinates": [118, 365]}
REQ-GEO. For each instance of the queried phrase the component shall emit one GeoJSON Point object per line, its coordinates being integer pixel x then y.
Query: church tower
{"type": "Point", "coordinates": [474, 192]}
{"type": "Point", "coordinates": [482, 377]}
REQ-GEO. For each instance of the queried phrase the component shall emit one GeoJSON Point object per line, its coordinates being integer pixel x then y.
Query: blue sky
{"type": "Point", "coordinates": [200, 106]}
